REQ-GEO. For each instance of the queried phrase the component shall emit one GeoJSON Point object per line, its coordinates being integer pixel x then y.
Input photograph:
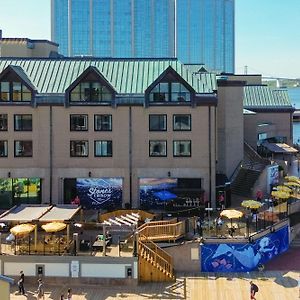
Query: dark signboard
{"type": "Point", "coordinates": [170, 193]}
{"type": "Point", "coordinates": [100, 193]}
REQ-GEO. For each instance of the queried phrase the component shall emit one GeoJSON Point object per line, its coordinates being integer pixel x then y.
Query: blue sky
{"type": "Point", "coordinates": [267, 32]}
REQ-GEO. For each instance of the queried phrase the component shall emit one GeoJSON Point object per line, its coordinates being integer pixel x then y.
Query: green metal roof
{"type": "Point", "coordinates": [127, 76]}
{"type": "Point", "coordinates": [262, 97]}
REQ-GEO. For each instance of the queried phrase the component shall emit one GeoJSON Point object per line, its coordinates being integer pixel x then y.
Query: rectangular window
{"type": "Point", "coordinates": [182, 148]}
{"type": "Point", "coordinates": [103, 148]}
{"type": "Point", "coordinates": [79, 148]}
{"type": "Point", "coordinates": [78, 122]}
{"type": "Point", "coordinates": [23, 148]}
{"type": "Point", "coordinates": [3, 122]}
{"type": "Point", "coordinates": [3, 148]}
{"type": "Point", "coordinates": [103, 122]}
{"type": "Point", "coordinates": [4, 89]}
{"type": "Point", "coordinates": [157, 122]}
{"type": "Point", "coordinates": [181, 122]}
{"type": "Point", "coordinates": [157, 148]}
{"type": "Point", "coordinates": [23, 122]}
{"type": "Point", "coordinates": [17, 91]}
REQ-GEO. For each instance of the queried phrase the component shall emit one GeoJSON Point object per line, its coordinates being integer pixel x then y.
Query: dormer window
{"type": "Point", "coordinates": [14, 91]}
{"type": "Point", "coordinates": [169, 92]}
{"type": "Point", "coordinates": [90, 92]}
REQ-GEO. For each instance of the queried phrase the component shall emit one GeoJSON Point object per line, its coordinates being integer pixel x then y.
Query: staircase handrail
{"type": "Point", "coordinates": [235, 171]}
{"type": "Point", "coordinates": [162, 222]}
{"type": "Point", "coordinates": [169, 229]}
{"type": "Point", "coordinates": [158, 259]}
{"type": "Point", "coordinates": [254, 153]}
{"type": "Point", "coordinates": [165, 255]}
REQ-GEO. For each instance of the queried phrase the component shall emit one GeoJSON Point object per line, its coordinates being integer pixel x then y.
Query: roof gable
{"type": "Point", "coordinates": [91, 74]}
{"type": "Point", "coordinates": [12, 71]}
{"type": "Point", "coordinates": [169, 75]}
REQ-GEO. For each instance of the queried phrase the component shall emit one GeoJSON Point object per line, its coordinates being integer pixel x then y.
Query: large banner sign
{"type": "Point", "coordinates": [15, 191]}
{"type": "Point", "coordinates": [272, 177]}
{"type": "Point", "coordinates": [157, 192]}
{"type": "Point", "coordinates": [100, 193]}
{"type": "Point", "coordinates": [170, 193]}
{"type": "Point", "coordinates": [243, 257]}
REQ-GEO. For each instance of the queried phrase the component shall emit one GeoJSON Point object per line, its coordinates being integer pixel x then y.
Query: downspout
{"type": "Point", "coordinates": [209, 152]}
{"type": "Point", "coordinates": [130, 156]}
{"type": "Point", "coordinates": [51, 153]}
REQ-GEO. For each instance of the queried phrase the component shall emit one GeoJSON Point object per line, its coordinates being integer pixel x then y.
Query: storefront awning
{"type": "Point", "coordinates": [280, 148]}
{"type": "Point", "coordinates": [24, 213]}
{"type": "Point", "coordinates": [60, 213]}
{"type": "Point", "coordinates": [43, 213]}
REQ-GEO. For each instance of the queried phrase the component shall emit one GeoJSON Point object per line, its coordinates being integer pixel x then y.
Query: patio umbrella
{"type": "Point", "coordinates": [291, 178]}
{"type": "Point", "coordinates": [231, 213]}
{"type": "Point", "coordinates": [22, 229]}
{"type": "Point", "coordinates": [292, 184]}
{"type": "Point", "coordinates": [280, 194]}
{"type": "Point", "coordinates": [54, 226]}
{"type": "Point", "coordinates": [251, 204]}
{"type": "Point", "coordinates": [283, 188]}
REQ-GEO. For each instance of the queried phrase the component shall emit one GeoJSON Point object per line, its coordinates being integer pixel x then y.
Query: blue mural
{"type": "Point", "coordinates": [100, 193]}
{"type": "Point", "coordinates": [243, 257]}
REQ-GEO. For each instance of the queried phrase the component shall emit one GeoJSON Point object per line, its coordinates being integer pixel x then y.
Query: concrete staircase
{"type": "Point", "coordinates": [244, 182]}
{"type": "Point", "coordinates": [252, 166]}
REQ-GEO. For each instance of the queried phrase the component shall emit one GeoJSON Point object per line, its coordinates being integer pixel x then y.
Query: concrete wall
{"type": "Point", "coordinates": [230, 128]}
{"type": "Point", "coordinates": [280, 124]}
{"type": "Point", "coordinates": [201, 164]}
{"type": "Point", "coordinates": [19, 48]}
{"type": "Point", "coordinates": [186, 257]}
{"type": "Point", "coordinates": [4, 290]}
{"type": "Point", "coordinates": [57, 268]}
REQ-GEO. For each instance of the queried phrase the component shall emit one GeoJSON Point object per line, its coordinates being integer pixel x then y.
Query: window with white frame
{"type": "Point", "coordinates": [157, 148]}
{"type": "Point", "coordinates": [182, 148]}
{"type": "Point", "coordinates": [78, 122]}
{"type": "Point", "coordinates": [79, 148]}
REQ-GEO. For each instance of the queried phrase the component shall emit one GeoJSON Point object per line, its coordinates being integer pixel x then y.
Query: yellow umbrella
{"type": "Point", "coordinates": [280, 195]}
{"type": "Point", "coordinates": [251, 204]}
{"type": "Point", "coordinates": [292, 184]}
{"type": "Point", "coordinates": [283, 188]}
{"type": "Point", "coordinates": [291, 178]}
{"type": "Point", "coordinates": [22, 229]}
{"type": "Point", "coordinates": [231, 213]}
{"type": "Point", "coordinates": [54, 226]}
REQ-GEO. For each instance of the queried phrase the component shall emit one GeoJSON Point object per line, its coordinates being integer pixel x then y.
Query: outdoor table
{"type": "Point", "coordinates": [98, 245]}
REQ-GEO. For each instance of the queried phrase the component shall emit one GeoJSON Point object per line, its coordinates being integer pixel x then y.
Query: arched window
{"type": "Point", "coordinates": [169, 92]}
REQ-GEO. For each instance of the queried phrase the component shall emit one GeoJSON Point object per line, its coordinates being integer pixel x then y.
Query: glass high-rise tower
{"type": "Point", "coordinates": [195, 31]}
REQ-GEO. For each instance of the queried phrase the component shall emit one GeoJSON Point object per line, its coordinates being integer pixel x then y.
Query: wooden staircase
{"type": "Point", "coordinates": [155, 264]}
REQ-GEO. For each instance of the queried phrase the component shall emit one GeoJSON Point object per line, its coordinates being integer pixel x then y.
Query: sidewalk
{"type": "Point", "coordinates": [211, 286]}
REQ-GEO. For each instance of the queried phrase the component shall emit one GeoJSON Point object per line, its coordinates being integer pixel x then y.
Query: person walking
{"type": "Point", "coordinates": [62, 297]}
{"type": "Point", "coordinates": [21, 283]}
{"type": "Point", "coordinates": [69, 294]}
{"type": "Point", "coordinates": [40, 289]}
{"type": "Point", "coordinates": [253, 290]}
